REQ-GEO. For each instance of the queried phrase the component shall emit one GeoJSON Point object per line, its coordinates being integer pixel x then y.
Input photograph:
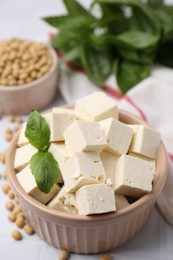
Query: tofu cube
{"type": "Point", "coordinates": [58, 120]}
{"type": "Point", "coordinates": [59, 152]}
{"type": "Point", "coordinates": [22, 138]}
{"type": "Point", "coordinates": [85, 136]}
{"type": "Point", "coordinates": [28, 183]}
{"type": "Point", "coordinates": [81, 169]}
{"type": "Point", "coordinates": [64, 201]}
{"type": "Point", "coordinates": [140, 156]}
{"type": "Point", "coordinates": [95, 107]}
{"type": "Point", "coordinates": [95, 199]}
{"type": "Point", "coordinates": [118, 136]}
{"type": "Point", "coordinates": [121, 201]}
{"type": "Point", "coordinates": [23, 156]}
{"type": "Point", "coordinates": [134, 176]}
{"type": "Point", "coordinates": [110, 162]}
{"type": "Point", "coordinates": [133, 127]}
{"type": "Point", "coordinates": [146, 141]}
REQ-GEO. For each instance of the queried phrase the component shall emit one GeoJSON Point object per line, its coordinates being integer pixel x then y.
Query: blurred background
{"type": "Point", "coordinates": [22, 18]}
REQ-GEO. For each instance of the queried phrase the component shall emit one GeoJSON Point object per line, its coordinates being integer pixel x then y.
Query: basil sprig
{"type": "Point", "coordinates": [133, 34]}
{"type": "Point", "coordinates": [43, 165]}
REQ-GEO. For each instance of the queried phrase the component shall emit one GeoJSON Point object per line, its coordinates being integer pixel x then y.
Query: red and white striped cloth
{"type": "Point", "coordinates": [151, 100]}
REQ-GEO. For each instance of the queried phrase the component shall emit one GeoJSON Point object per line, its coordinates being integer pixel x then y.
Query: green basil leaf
{"type": "Point", "coordinates": [156, 3]}
{"type": "Point", "coordinates": [99, 41]}
{"type": "Point", "coordinates": [107, 21]}
{"type": "Point", "coordinates": [74, 8]}
{"type": "Point", "coordinates": [69, 22]}
{"type": "Point", "coordinates": [71, 55]}
{"type": "Point", "coordinates": [135, 39]}
{"type": "Point", "coordinates": [143, 56]}
{"type": "Point", "coordinates": [134, 4]}
{"type": "Point", "coordinates": [45, 170]}
{"type": "Point", "coordinates": [55, 21]}
{"type": "Point", "coordinates": [113, 17]}
{"type": "Point", "coordinates": [97, 63]}
{"type": "Point", "coordinates": [68, 41]}
{"type": "Point", "coordinates": [37, 131]}
{"type": "Point", "coordinates": [161, 24]}
{"type": "Point", "coordinates": [168, 9]}
{"type": "Point", "coordinates": [109, 9]}
{"type": "Point", "coordinates": [130, 73]}
{"type": "Point", "coordinates": [140, 22]}
{"type": "Point", "coordinates": [113, 24]}
{"type": "Point", "coordinates": [165, 22]}
{"type": "Point", "coordinates": [65, 41]}
{"type": "Point", "coordinates": [122, 2]}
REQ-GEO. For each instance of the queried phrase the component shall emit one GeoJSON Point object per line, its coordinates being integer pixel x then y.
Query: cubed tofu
{"type": "Point", "coordinates": [133, 127]}
{"type": "Point", "coordinates": [58, 120]}
{"type": "Point", "coordinates": [85, 136]}
{"type": "Point", "coordinates": [95, 107]}
{"type": "Point", "coordinates": [22, 138]}
{"type": "Point", "coordinates": [118, 136]}
{"type": "Point", "coordinates": [64, 201]}
{"type": "Point", "coordinates": [134, 176]}
{"type": "Point", "coordinates": [146, 141]}
{"type": "Point", "coordinates": [95, 199]}
{"type": "Point", "coordinates": [28, 183]}
{"type": "Point", "coordinates": [121, 201]}
{"type": "Point", "coordinates": [81, 169]}
{"type": "Point", "coordinates": [110, 162]}
{"type": "Point", "coordinates": [23, 156]}
{"type": "Point", "coordinates": [59, 152]}
{"type": "Point", "coordinates": [140, 156]}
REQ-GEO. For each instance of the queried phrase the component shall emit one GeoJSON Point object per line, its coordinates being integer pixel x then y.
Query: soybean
{"type": "Point", "coordinates": [6, 188]}
{"type": "Point", "coordinates": [64, 255]}
{"type": "Point", "coordinates": [11, 194]}
{"type": "Point", "coordinates": [20, 222]}
{"type": "Point", "coordinates": [17, 209]}
{"type": "Point", "coordinates": [28, 229]}
{"type": "Point", "coordinates": [16, 235]}
{"type": "Point", "coordinates": [105, 257]}
{"type": "Point", "coordinates": [12, 217]}
{"type": "Point", "coordinates": [9, 205]}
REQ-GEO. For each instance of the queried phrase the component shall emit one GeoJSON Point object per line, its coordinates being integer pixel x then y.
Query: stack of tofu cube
{"type": "Point", "coordinates": [102, 160]}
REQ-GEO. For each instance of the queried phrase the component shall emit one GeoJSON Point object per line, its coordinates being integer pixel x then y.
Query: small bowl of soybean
{"type": "Point", "coordinates": [28, 76]}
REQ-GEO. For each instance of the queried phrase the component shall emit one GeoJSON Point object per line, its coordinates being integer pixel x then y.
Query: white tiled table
{"type": "Point", "coordinates": [21, 18]}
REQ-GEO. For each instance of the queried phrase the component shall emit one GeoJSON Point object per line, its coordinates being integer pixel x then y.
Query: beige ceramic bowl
{"type": "Point", "coordinates": [34, 95]}
{"type": "Point", "coordinates": [88, 234]}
